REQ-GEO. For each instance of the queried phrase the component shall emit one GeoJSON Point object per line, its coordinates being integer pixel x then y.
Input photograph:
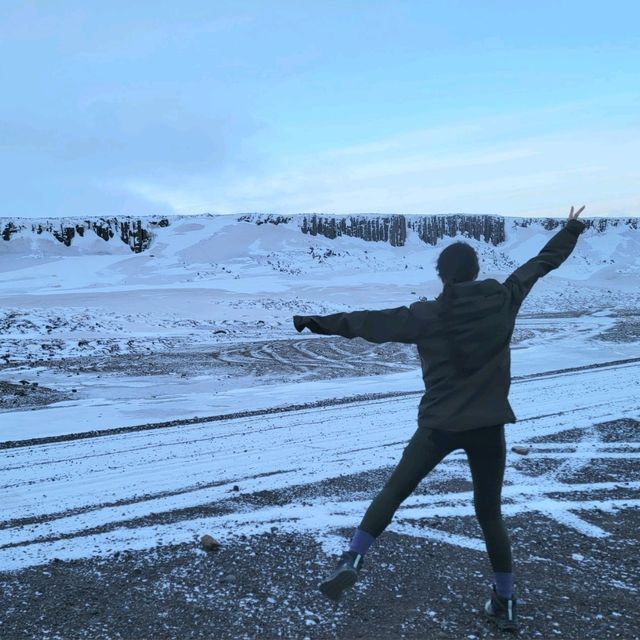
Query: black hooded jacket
{"type": "Point", "coordinates": [463, 338]}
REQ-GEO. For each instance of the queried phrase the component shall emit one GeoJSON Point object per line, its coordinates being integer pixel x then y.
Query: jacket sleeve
{"type": "Point", "coordinates": [400, 324]}
{"type": "Point", "coordinates": [553, 254]}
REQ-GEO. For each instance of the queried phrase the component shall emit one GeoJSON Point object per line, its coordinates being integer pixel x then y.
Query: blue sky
{"type": "Point", "coordinates": [512, 108]}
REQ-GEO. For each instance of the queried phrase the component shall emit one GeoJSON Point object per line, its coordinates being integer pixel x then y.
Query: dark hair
{"type": "Point", "coordinates": [458, 263]}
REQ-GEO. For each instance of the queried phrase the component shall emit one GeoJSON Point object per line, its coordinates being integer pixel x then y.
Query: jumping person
{"type": "Point", "coordinates": [463, 339]}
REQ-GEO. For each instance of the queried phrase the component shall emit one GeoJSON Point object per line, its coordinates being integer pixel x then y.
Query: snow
{"type": "Point", "coordinates": [207, 274]}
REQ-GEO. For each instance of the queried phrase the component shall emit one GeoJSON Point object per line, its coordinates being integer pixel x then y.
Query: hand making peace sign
{"type": "Point", "coordinates": [574, 216]}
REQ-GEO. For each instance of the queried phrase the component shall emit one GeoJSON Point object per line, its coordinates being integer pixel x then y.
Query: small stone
{"type": "Point", "coordinates": [523, 451]}
{"type": "Point", "coordinates": [236, 487]}
{"type": "Point", "coordinates": [208, 543]}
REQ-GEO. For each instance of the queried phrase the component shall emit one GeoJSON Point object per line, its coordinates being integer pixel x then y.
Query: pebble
{"type": "Point", "coordinates": [208, 543]}
{"type": "Point", "coordinates": [228, 579]}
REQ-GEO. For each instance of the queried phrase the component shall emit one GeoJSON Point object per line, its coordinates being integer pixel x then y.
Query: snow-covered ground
{"type": "Point", "coordinates": [73, 488]}
{"type": "Point", "coordinates": [199, 326]}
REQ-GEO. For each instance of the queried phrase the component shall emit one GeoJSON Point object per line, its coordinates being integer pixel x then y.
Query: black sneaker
{"type": "Point", "coordinates": [344, 576]}
{"type": "Point", "coordinates": [502, 611]}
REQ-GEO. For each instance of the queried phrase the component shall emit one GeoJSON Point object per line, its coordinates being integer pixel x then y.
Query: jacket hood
{"type": "Point", "coordinates": [477, 297]}
{"type": "Point", "coordinates": [475, 321]}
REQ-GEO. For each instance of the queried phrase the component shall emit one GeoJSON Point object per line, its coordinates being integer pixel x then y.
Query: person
{"type": "Point", "coordinates": [463, 340]}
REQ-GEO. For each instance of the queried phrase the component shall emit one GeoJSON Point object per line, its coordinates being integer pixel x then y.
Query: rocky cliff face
{"type": "Point", "coordinates": [138, 233]}
{"type": "Point", "coordinates": [599, 224]}
{"type": "Point", "coordinates": [135, 232]}
{"type": "Point", "coordinates": [429, 228]}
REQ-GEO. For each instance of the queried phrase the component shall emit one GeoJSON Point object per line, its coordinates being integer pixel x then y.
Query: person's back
{"type": "Point", "coordinates": [466, 356]}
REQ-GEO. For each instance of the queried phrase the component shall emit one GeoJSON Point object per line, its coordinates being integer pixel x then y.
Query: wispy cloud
{"type": "Point", "coordinates": [454, 168]}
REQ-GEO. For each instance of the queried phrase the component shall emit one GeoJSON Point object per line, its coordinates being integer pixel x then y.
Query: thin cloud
{"type": "Point", "coordinates": [532, 173]}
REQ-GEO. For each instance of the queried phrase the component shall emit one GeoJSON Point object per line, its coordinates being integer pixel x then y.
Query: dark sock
{"type": "Point", "coordinates": [361, 542]}
{"type": "Point", "coordinates": [504, 584]}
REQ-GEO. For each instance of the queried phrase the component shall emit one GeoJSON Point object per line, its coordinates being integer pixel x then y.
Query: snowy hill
{"type": "Point", "coordinates": [298, 244]}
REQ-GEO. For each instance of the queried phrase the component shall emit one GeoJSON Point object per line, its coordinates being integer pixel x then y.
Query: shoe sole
{"type": "Point", "coordinates": [503, 626]}
{"type": "Point", "coordinates": [334, 587]}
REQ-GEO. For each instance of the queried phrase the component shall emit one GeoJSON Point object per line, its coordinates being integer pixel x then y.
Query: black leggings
{"type": "Point", "coordinates": [486, 451]}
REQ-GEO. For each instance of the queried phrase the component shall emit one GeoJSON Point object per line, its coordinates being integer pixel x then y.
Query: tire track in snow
{"type": "Point", "coordinates": [11, 444]}
{"type": "Point", "coordinates": [130, 478]}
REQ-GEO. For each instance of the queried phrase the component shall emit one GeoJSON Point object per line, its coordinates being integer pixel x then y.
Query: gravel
{"type": "Point", "coordinates": [568, 586]}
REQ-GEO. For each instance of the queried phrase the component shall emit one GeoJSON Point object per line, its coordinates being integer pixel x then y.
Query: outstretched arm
{"type": "Point", "coordinates": [400, 324]}
{"type": "Point", "coordinates": [553, 254]}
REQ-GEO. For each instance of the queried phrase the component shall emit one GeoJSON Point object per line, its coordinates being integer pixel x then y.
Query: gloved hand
{"type": "Point", "coordinates": [299, 322]}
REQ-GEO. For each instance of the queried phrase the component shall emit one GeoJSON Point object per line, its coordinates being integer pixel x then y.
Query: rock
{"type": "Point", "coordinates": [523, 451]}
{"type": "Point", "coordinates": [208, 543]}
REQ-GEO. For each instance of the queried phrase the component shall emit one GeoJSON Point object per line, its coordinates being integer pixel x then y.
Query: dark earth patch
{"type": "Point", "coordinates": [625, 330]}
{"type": "Point", "coordinates": [27, 394]}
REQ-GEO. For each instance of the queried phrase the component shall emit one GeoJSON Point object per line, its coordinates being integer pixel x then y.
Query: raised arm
{"type": "Point", "coordinates": [553, 254]}
{"type": "Point", "coordinates": [400, 324]}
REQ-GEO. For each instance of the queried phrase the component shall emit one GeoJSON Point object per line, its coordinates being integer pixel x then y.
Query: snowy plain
{"type": "Point", "coordinates": [197, 329]}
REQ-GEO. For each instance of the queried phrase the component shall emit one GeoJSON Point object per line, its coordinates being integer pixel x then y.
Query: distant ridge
{"type": "Point", "coordinates": [138, 232]}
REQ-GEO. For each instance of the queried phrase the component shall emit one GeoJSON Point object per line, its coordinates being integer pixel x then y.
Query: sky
{"type": "Point", "coordinates": [414, 107]}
